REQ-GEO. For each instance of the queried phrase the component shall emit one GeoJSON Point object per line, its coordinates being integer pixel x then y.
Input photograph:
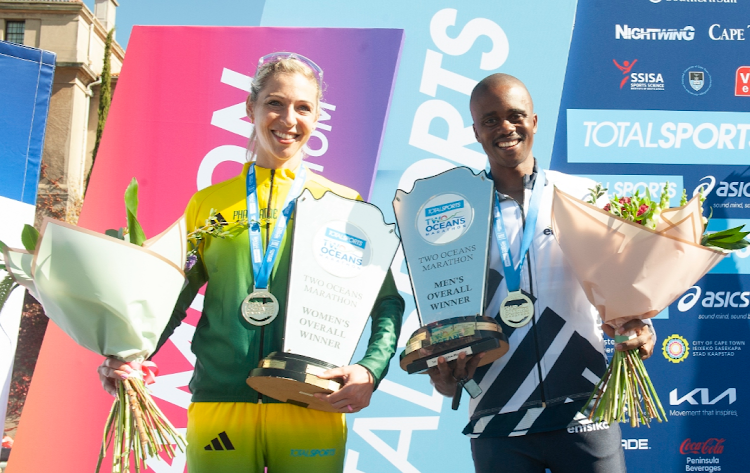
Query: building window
{"type": "Point", "coordinates": [14, 31]}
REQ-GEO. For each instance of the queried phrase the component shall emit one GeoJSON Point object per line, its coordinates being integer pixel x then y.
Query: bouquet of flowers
{"type": "Point", "coordinates": [114, 298]}
{"type": "Point", "coordinates": [656, 253]}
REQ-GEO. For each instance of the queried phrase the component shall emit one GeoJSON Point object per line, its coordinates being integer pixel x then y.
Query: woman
{"type": "Point", "coordinates": [230, 426]}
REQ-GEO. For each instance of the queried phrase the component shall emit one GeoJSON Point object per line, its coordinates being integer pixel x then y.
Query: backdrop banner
{"type": "Point", "coordinates": [25, 90]}
{"type": "Point", "coordinates": [178, 124]}
{"type": "Point", "coordinates": [658, 91]}
{"type": "Point", "coordinates": [450, 45]}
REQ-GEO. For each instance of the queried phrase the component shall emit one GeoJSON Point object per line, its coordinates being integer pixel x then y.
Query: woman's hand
{"type": "Point", "coordinates": [445, 377]}
{"type": "Point", "coordinates": [644, 340]}
{"type": "Point", "coordinates": [356, 392]}
{"type": "Point", "coordinates": [110, 371]}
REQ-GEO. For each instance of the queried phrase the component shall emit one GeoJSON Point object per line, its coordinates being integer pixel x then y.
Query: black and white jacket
{"type": "Point", "coordinates": [554, 361]}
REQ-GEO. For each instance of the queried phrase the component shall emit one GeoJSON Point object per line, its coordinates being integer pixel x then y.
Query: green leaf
{"type": "Point", "coordinates": [730, 239]}
{"type": "Point", "coordinates": [119, 234]}
{"type": "Point", "coordinates": [3, 246]}
{"type": "Point", "coordinates": [135, 231]}
{"type": "Point", "coordinates": [29, 237]}
{"type": "Point", "coordinates": [2, 267]}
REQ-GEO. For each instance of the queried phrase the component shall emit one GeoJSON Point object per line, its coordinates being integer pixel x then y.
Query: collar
{"type": "Point", "coordinates": [528, 182]}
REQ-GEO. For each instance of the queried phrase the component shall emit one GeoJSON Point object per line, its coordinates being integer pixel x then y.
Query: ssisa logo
{"type": "Point", "coordinates": [713, 299]}
{"type": "Point", "coordinates": [639, 80]}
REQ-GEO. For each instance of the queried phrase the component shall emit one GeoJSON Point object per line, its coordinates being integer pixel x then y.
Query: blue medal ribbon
{"type": "Point", "coordinates": [262, 266]}
{"type": "Point", "coordinates": [513, 272]}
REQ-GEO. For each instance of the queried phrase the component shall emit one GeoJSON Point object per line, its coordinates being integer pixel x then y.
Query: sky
{"type": "Point", "coordinates": [183, 12]}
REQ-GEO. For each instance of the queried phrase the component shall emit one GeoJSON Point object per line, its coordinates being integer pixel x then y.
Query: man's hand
{"type": "Point", "coordinates": [445, 375]}
{"type": "Point", "coordinates": [356, 392]}
{"type": "Point", "coordinates": [644, 341]}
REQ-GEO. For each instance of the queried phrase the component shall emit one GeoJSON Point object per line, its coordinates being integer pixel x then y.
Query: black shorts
{"type": "Point", "coordinates": [561, 451]}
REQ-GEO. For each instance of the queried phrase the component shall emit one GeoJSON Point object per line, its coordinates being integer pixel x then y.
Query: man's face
{"type": "Point", "coordinates": [505, 123]}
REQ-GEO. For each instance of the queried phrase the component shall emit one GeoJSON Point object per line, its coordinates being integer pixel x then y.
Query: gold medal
{"type": "Point", "coordinates": [516, 310]}
{"type": "Point", "coordinates": [260, 307]}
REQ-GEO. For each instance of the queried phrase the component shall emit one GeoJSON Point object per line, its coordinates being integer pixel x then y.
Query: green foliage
{"type": "Point", "coordinates": [135, 232]}
{"type": "Point", "coordinates": [595, 193]}
{"type": "Point", "coordinates": [731, 239]}
{"type": "Point", "coordinates": [29, 237]}
{"type": "Point", "coordinates": [105, 99]}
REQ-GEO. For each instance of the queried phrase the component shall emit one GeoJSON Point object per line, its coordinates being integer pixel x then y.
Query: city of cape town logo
{"type": "Point", "coordinates": [675, 348]}
{"type": "Point", "coordinates": [444, 218]}
{"type": "Point", "coordinates": [696, 80]}
{"type": "Point", "coordinates": [341, 248]}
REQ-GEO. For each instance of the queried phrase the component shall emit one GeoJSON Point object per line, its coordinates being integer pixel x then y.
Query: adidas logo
{"type": "Point", "coordinates": [221, 442]}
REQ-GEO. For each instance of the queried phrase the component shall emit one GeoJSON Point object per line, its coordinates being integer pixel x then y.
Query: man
{"type": "Point", "coordinates": [527, 417]}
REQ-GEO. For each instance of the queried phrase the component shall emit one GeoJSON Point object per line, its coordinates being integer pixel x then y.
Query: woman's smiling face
{"type": "Point", "coordinates": [285, 114]}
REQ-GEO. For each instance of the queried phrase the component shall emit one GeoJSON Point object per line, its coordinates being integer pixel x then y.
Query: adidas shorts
{"type": "Point", "coordinates": [246, 437]}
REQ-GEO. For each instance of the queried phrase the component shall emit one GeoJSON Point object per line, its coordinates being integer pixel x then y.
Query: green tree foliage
{"type": "Point", "coordinates": [105, 98]}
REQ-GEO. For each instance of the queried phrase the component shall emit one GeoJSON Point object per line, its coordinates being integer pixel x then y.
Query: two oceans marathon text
{"type": "Point", "coordinates": [323, 328]}
{"type": "Point", "coordinates": [451, 291]}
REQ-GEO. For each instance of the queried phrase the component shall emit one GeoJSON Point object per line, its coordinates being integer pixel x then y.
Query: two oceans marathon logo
{"type": "Point", "coordinates": [625, 32]}
{"type": "Point", "coordinates": [341, 249]}
{"type": "Point", "coordinates": [444, 218]}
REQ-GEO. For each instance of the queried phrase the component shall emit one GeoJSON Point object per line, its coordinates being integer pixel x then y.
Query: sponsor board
{"type": "Point", "coordinates": [727, 194]}
{"type": "Point", "coordinates": [658, 137]}
{"type": "Point", "coordinates": [696, 80]}
{"type": "Point", "coordinates": [635, 444]}
{"type": "Point", "coordinates": [703, 402]}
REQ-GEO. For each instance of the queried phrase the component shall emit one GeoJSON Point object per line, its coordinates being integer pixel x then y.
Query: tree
{"type": "Point", "coordinates": [105, 99]}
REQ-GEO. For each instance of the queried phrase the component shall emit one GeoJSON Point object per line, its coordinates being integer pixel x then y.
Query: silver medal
{"type": "Point", "coordinates": [260, 307]}
{"type": "Point", "coordinates": [516, 310]}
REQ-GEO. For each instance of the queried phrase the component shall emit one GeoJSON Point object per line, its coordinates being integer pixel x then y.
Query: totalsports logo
{"type": "Point", "coordinates": [713, 299]}
{"type": "Point", "coordinates": [444, 218]}
{"type": "Point", "coordinates": [675, 348]}
{"type": "Point", "coordinates": [329, 452]}
{"type": "Point", "coordinates": [658, 137]}
{"type": "Point", "coordinates": [639, 80]}
{"type": "Point", "coordinates": [655, 34]}
{"type": "Point", "coordinates": [696, 80]}
{"type": "Point", "coordinates": [341, 249]}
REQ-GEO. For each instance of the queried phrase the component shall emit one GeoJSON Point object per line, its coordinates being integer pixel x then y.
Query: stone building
{"type": "Point", "coordinates": [69, 29]}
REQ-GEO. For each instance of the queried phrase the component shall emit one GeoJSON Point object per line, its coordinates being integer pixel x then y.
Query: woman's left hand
{"type": "Point", "coordinates": [356, 392]}
{"type": "Point", "coordinates": [644, 340]}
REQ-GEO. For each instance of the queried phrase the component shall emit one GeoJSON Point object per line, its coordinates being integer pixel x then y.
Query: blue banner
{"type": "Point", "coordinates": [25, 90]}
{"type": "Point", "coordinates": [656, 91]}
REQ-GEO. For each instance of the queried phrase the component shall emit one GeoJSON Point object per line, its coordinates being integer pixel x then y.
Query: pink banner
{"type": "Point", "coordinates": [177, 124]}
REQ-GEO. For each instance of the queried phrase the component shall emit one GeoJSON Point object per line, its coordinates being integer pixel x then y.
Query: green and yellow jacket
{"type": "Point", "coordinates": [226, 346]}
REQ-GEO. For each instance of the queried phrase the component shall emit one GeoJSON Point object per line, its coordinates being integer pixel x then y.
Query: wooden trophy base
{"type": "Point", "coordinates": [450, 337]}
{"type": "Point", "coordinates": [293, 379]}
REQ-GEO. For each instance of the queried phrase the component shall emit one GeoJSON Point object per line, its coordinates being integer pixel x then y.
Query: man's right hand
{"type": "Point", "coordinates": [110, 371]}
{"type": "Point", "coordinates": [446, 375]}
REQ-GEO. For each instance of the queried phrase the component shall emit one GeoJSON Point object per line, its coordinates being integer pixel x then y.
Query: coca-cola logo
{"type": "Point", "coordinates": [712, 446]}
